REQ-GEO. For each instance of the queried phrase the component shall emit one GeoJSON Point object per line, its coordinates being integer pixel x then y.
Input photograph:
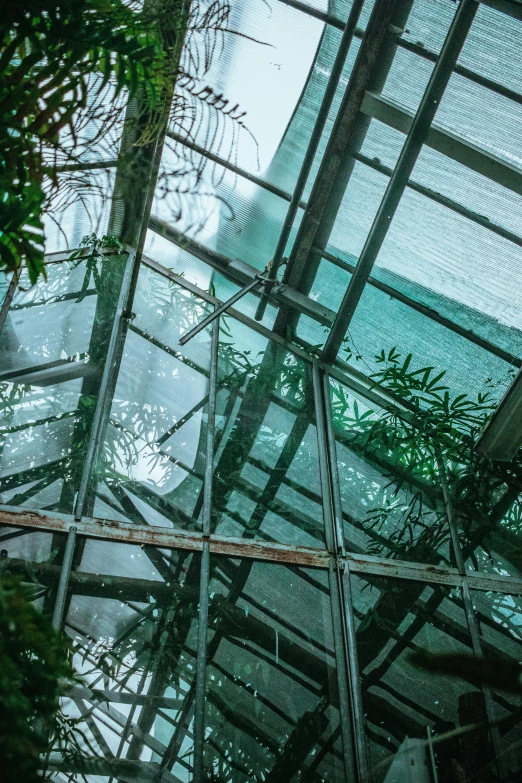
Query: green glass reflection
{"type": "Point", "coordinates": [132, 618]}
{"type": "Point", "coordinates": [266, 472]}
{"type": "Point", "coordinates": [272, 707]}
{"type": "Point", "coordinates": [389, 487]}
{"type": "Point", "coordinates": [395, 618]}
{"type": "Point", "coordinates": [52, 352]}
{"type": "Point", "coordinates": [500, 624]}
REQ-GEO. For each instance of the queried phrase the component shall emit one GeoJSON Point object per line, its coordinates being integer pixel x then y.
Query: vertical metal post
{"type": "Point", "coordinates": [474, 630]}
{"type": "Point", "coordinates": [448, 504]}
{"type": "Point", "coordinates": [63, 584]}
{"type": "Point", "coordinates": [313, 144]}
{"type": "Point", "coordinates": [201, 665]}
{"type": "Point", "coordinates": [331, 504]}
{"type": "Point", "coordinates": [211, 428]}
{"type": "Point", "coordinates": [347, 727]}
{"type": "Point", "coordinates": [355, 680]}
{"type": "Point", "coordinates": [334, 474]}
{"type": "Point", "coordinates": [108, 382]}
{"type": "Point", "coordinates": [201, 656]}
{"type": "Point", "coordinates": [323, 459]}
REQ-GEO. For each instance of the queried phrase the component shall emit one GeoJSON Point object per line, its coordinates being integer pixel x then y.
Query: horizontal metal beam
{"type": "Point", "coordinates": [454, 206]}
{"type": "Point", "coordinates": [226, 164]}
{"type": "Point", "coordinates": [111, 530]}
{"type": "Point", "coordinates": [123, 770]}
{"type": "Point", "coordinates": [449, 144]}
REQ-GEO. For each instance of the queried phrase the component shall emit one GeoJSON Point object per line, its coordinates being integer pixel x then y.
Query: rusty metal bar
{"type": "Point", "coordinates": [112, 530]}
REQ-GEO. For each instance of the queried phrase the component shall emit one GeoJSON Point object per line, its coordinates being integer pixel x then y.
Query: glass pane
{"type": "Point", "coordinates": [388, 488]}
{"type": "Point", "coordinates": [393, 619]}
{"type": "Point", "coordinates": [272, 703]}
{"type": "Point", "coordinates": [266, 478]}
{"type": "Point", "coordinates": [35, 556]}
{"type": "Point", "coordinates": [500, 623]}
{"type": "Point", "coordinates": [132, 619]}
{"type": "Point", "coordinates": [154, 456]}
{"type": "Point", "coordinates": [490, 517]}
{"type": "Point", "coordinates": [52, 352]}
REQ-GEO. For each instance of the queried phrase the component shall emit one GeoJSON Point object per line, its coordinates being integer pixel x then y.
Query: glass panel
{"type": "Point", "coordinates": [499, 62]}
{"type": "Point", "coordinates": [35, 556]}
{"type": "Point", "coordinates": [394, 619]}
{"type": "Point", "coordinates": [382, 323]}
{"type": "Point", "coordinates": [154, 457]}
{"type": "Point", "coordinates": [435, 248]}
{"type": "Point", "coordinates": [388, 485]}
{"type": "Point", "coordinates": [500, 623]}
{"type": "Point", "coordinates": [272, 702]}
{"type": "Point", "coordinates": [261, 70]}
{"type": "Point", "coordinates": [266, 478]}
{"type": "Point", "coordinates": [132, 619]}
{"type": "Point", "coordinates": [490, 516]}
{"type": "Point", "coordinates": [52, 351]}
{"type": "Point", "coordinates": [222, 211]}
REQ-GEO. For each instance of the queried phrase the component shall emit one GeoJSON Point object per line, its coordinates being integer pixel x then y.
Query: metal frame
{"type": "Point", "coordinates": [360, 104]}
{"type": "Point", "coordinates": [417, 135]}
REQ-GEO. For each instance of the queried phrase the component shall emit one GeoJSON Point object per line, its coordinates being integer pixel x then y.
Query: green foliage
{"type": "Point", "coordinates": [65, 65]}
{"type": "Point", "coordinates": [33, 668]}
{"type": "Point", "coordinates": [425, 432]}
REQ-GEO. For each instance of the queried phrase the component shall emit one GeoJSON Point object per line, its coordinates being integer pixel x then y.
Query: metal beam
{"type": "Point", "coordinates": [429, 312]}
{"type": "Point", "coordinates": [112, 530]}
{"type": "Point", "coordinates": [417, 135]}
{"type": "Point", "coordinates": [240, 272]}
{"type": "Point", "coordinates": [422, 51]}
{"type": "Point", "coordinates": [369, 72]}
{"type": "Point", "coordinates": [65, 575]}
{"type": "Point", "coordinates": [450, 144]}
{"type": "Point", "coordinates": [313, 145]}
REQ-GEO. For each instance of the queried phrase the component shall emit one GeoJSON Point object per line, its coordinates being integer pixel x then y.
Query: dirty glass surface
{"type": "Point", "coordinates": [34, 556]}
{"type": "Point", "coordinates": [132, 620]}
{"type": "Point", "coordinates": [500, 623]}
{"type": "Point", "coordinates": [266, 475]}
{"type": "Point", "coordinates": [272, 710]}
{"type": "Point", "coordinates": [394, 619]}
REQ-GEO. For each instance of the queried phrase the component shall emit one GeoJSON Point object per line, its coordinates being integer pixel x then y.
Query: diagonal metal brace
{"type": "Point", "coordinates": [261, 278]}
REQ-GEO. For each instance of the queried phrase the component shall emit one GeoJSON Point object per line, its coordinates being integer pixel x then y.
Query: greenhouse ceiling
{"type": "Point", "coordinates": [246, 535]}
